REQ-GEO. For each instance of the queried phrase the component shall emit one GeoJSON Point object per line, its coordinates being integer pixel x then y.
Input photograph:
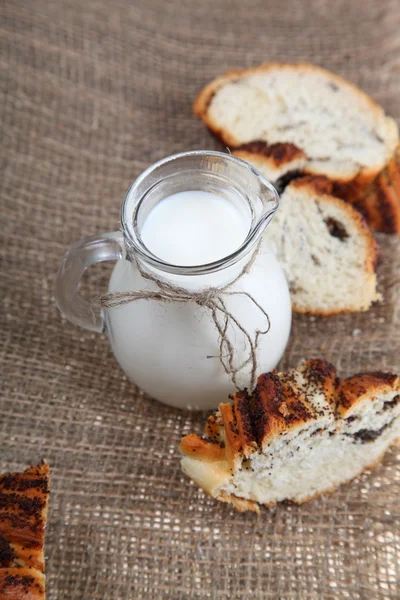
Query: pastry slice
{"type": "Point", "coordinates": [23, 513]}
{"type": "Point", "coordinates": [300, 119]}
{"type": "Point", "coordinates": [297, 435]}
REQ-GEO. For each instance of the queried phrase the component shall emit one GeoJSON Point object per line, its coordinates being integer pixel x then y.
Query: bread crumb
{"type": "Point", "coordinates": [283, 409]}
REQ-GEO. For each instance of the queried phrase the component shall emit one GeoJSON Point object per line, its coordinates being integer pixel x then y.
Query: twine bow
{"type": "Point", "coordinates": [213, 300]}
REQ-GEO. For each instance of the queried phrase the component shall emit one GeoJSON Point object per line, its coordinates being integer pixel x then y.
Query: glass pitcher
{"type": "Point", "coordinates": [173, 350]}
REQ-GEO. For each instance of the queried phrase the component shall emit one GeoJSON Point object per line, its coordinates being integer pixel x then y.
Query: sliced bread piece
{"type": "Point", "coordinates": [325, 248]}
{"type": "Point", "coordinates": [23, 514]}
{"type": "Point", "coordinates": [297, 435]}
{"type": "Point", "coordinates": [299, 118]}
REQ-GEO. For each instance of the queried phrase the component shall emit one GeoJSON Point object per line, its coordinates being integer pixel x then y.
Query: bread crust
{"type": "Point", "coordinates": [25, 583]}
{"type": "Point", "coordinates": [355, 390]}
{"type": "Point", "coordinates": [379, 202]}
{"type": "Point", "coordinates": [202, 448]}
{"type": "Point", "coordinates": [23, 514]}
{"type": "Point", "coordinates": [213, 427]}
{"type": "Point", "coordinates": [375, 192]}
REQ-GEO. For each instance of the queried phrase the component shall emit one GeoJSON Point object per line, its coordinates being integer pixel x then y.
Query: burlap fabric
{"type": "Point", "coordinates": [91, 93]}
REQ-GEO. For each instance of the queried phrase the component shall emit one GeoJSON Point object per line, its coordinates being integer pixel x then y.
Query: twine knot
{"type": "Point", "coordinates": [206, 297]}
{"type": "Point", "coordinates": [213, 300]}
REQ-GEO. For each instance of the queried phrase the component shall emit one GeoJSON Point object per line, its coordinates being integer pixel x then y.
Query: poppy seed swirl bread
{"type": "Point", "coordinates": [300, 119]}
{"type": "Point", "coordinates": [297, 435]}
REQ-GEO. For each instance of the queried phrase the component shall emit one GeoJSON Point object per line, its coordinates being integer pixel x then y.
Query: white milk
{"type": "Point", "coordinates": [194, 228]}
{"type": "Point", "coordinates": [171, 350]}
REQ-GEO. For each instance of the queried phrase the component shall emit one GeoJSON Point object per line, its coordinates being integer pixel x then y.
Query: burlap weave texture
{"type": "Point", "coordinates": [91, 93]}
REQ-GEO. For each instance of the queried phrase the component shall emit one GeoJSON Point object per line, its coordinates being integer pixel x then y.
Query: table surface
{"type": "Point", "coordinates": [91, 93]}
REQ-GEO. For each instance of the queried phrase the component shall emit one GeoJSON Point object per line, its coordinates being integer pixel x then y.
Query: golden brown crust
{"type": "Point", "coordinates": [22, 584]}
{"type": "Point", "coordinates": [213, 427]}
{"type": "Point", "coordinates": [393, 170]}
{"type": "Point", "coordinates": [23, 503]}
{"type": "Point", "coordinates": [27, 556]}
{"type": "Point", "coordinates": [321, 376]}
{"type": "Point", "coordinates": [203, 449]}
{"type": "Point", "coordinates": [274, 155]}
{"type": "Point", "coordinates": [354, 390]}
{"type": "Point", "coordinates": [241, 504]}
{"type": "Point", "coordinates": [23, 513]}
{"type": "Point", "coordinates": [379, 202]}
{"type": "Point", "coordinates": [316, 184]}
{"type": "Point", "coordinates": [280, 404]}
{"type": "Point", "coordinates": [278, 407]}
{"type": "Point", "coordinates": [243, 422]}
{"type": "Point", "coordinates": [239, 438]}
{"type": "Point", "coordinates": [232, 440]}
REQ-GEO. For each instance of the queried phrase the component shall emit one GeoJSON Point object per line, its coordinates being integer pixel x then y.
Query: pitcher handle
{"type": "Point", "coordinates": [80, 256]}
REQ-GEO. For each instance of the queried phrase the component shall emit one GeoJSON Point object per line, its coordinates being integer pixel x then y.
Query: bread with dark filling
{"type": "Point", "coordinates": [23, 514]}
{"type": "Point", "coordinates": [295, 436]}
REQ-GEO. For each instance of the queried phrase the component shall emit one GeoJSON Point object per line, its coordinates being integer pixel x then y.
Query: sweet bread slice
{"type": "Point", "coordinates": [325, 248]}
{"type": "Point", "coordinates": [297, 435]}
{"type": "Point", "coordinates": [296, 119]}
{"type": "Point", "coordinates": [23, 513]}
